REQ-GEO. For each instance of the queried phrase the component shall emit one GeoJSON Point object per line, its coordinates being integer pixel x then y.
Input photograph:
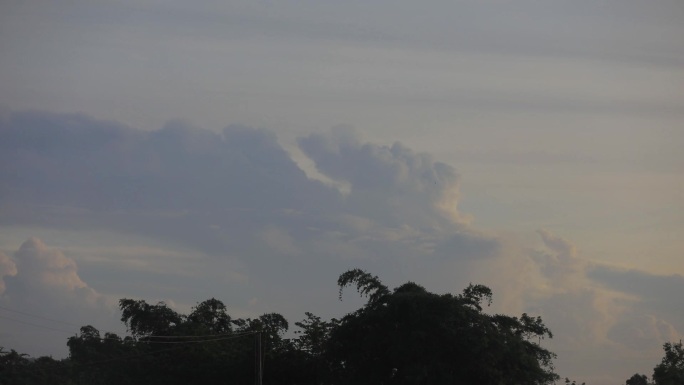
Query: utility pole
{"type": "Point", "coordinates": [258, 360]}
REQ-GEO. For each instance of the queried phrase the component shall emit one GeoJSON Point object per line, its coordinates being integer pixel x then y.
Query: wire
{"type": "Point", "coordinates": [36, 325]}
{"type": "Point", "coordinates": [37, 316]}
{"type": "Point", "coordinates": [189, 339]}
{"type": "Point", "coordinates": [203, 335]}
{"type": "Point", "coordinates": [127, 357]}
{"type": "Point", "coordinates": [198, 341]}
{"type": "Point", "coordinates": [156, 351]}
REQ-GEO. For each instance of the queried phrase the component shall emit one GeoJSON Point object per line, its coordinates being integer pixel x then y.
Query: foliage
{"type": "Point", "coordinates": [412, 336]}
{"type": "Point", "coordinates": [573, 382]}
{"type": "Point", "coordinates": [402, 336]}
{"type": "Point", "coordinates": [670, 371]}
{"type": "Point", "coordinates": [637, 379]}
{"type": "Point", "coordinates": [19, 369]}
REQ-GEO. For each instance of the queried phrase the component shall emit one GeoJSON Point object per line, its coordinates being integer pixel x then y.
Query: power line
{"type": "Point", "coordinates": [37, 316]}
{"type": "Point", "coordinates": [35, 325]}
{"type": "Point", "coordinates": [202, 335]}
{"type": "Point", "coordinates": [230, 337]}
{"type": "Point", "coordinates": [105, 331]}
{"type": "Point", "coordinates": [189, 339]}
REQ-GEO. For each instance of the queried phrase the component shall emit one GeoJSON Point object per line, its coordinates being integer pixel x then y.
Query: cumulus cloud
{"type": "Point", "coordinates": [599, 309]}
{"type": "Point", "coordinates": [223, 192]}
{"type": "Point", "coordinates": [7, 268]}
{"type": "Point", "coordinates": [657, 314]}
{"type": "Point", "coordinates": [41, 272]}
{"type": "Point", "coordinates": [45, 301]}
{"type": "Point", "coordinates": [394, 183]}
{"type": "Point", "coordinates": [234, 198]}
{"type": "Point", "coordinates": [561, 266]}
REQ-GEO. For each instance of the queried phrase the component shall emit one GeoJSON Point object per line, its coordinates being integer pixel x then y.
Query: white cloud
{"type": "Point", "coordinates": [7, 268]}
{"type": "Point", "coordinates": [45, 301]}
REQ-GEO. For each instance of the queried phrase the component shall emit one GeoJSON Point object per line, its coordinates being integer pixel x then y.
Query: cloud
{"type": "Point", "coordinates": [45, 301]}
{"type": "Point", "coordinates": [562, 267]}
{"type": "Point", "coordinates": [221, 192]}
{"type": "Point", "coordinates": [645, 285]}
{"type": "Point", "coordinates": [234, 201]}
{"type": "Point", "coordinates": [393, 183]}
{"type": "Point", "coordinates": [74, 160]}
{"type": "Point", "coordinates": [600, 310]}
{"type": "Point", "coordinates": [657, 297]}
{"type": "Point", "coordinates": [7, 268]}
{"type": "Point", "coordinates": [46, 273]}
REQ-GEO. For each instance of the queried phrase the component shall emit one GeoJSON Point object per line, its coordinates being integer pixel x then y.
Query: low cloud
{"type": "Point", "coordinates": [44, 295]}
{"type": "Point", "coordinates": [601, 309]}
{"type": "Point", "coordinates": [41, 272]}
{"type": "Point", "coordinates": [7, 269]}
{"type": "Point", "coordinates": [224, 192]}
{"type": "Point", "coordinates": [252, 221]}
{"type": "Point", "coordinates": [393, 183]}
{"type": "Point", "coordinates": [235, 199]}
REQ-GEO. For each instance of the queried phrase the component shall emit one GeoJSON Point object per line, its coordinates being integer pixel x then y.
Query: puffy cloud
{"type": "Point", "coordinates": [643, 333]}
{"type": "Point", "coordinates": [47, 273]}
{"type": "Point", "coordinates": [393, 183]}
{"type": "Point", "coordinates": [234, 200]}
{"type": "Point", "coordinates": [45, 300]}
{"type": "Point", "coordinates": [598, 310]}
{"type": "Point", "coordinates": [221, 192]}
{"type": "Point", "coordinates": [562, 266]}
{"type": "Point", "coordinates": [7, 268]}
{"type": "Point", "coordinates": [657, 313]}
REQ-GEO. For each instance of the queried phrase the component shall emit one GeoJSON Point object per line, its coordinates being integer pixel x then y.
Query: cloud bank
{"type": "Point", "coordinates": [257, 228]}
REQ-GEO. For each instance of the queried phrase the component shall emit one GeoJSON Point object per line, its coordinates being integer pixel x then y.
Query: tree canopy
{"type": "Point", "coordinates": [412, 336]}
{"type": "Point", "coordinates": [403, 336]}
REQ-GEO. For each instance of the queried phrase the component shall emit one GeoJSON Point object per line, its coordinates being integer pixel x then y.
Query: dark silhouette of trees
{"type": "Point", "coordinates": [638, 379]}
{"type": "Point", "coordinates": [17, 368]}
{"type": "Point", "coordinates": [670, 371]}
{"type": "Point", "coordinates": [412, 336]}
{"type": "Point", "coordinates": [402, 336]}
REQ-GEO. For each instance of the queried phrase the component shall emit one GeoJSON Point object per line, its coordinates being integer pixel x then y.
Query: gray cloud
{"type": "Point", "coordinates": [657, 294]}
{"type": "Point", "coordinates": [638, 282]}
{"type": "Point", "coordinates": [235, 196]}
{"type": "Point", "coordinates": [385, 179]}
{"type": "Point", "coordinates": [78, 161]}
{"type": "Point", "coordinates": [7, 268]}
{"type": "Point", "coordinates": [222, 191]}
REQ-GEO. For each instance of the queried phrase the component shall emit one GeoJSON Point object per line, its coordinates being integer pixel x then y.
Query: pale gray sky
{"type": "Point", "coordinates": [564, 116]}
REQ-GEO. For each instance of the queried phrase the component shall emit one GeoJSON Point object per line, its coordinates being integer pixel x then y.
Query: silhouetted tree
{"type": "Point", "coordinates": [412, 336]}
{"type": "Point", "coordinates": [403, 336]}
{"type": "Point", "coordinates": [637, 379]}
{"type": "Point", "coordinates": [670, 371]}
{"type": "Point", "coordinates": [19, 369]}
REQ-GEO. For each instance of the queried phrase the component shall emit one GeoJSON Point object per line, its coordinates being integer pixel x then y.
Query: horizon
{"type": "Point", "coordinates": [253, 151]}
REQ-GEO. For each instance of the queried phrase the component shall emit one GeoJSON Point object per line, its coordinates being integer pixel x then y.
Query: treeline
{"type": "Point", "coordinates": [402, 336]}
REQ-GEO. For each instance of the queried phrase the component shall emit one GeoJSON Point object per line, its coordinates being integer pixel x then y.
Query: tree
{"type": "Point", "coordinates": [211, 317]}
{"type": "Point", "coordinates": [637, 379]}
{"type": "Point", "coordinates": [412, 336]}
{"type": "Point", "coordinates": [143, 319]}
{"type": "Point", "coordinates": [20, 369]}
{"type": "Point", "coordinates": [314, 334]}
{"type": "Point", "coordinates": [670, 371]}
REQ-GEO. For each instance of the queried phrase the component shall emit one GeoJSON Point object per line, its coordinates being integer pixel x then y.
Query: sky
{"type": "Point", "coordinates": [254, 151]}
